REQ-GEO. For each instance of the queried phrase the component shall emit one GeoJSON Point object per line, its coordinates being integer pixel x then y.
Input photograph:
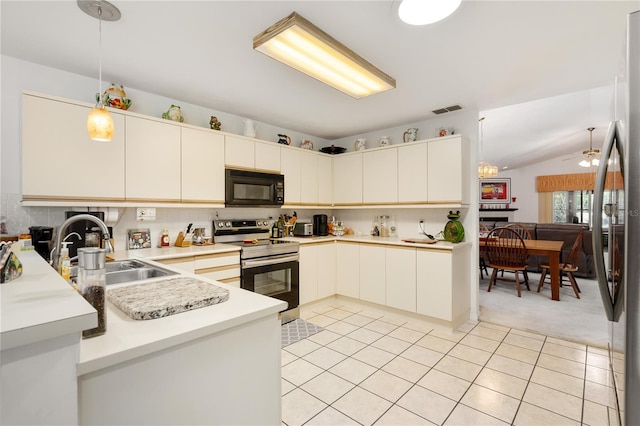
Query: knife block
{"type": "Point", "coordinates": [183, 240]}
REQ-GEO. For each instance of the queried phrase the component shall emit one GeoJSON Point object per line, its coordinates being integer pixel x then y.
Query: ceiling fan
{"type": "Point", "coordinates": [591, 156]}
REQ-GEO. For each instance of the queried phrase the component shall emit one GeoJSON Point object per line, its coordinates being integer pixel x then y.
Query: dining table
{"type": "Point", "coordinates": [551, 249]}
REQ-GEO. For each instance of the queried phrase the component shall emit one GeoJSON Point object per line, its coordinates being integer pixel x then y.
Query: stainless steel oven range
{"type": "Point", "coordinates": [268, 266]}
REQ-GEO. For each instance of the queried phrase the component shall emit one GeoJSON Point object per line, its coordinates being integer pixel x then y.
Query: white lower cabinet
{"type": "Point", "coordinates": [347, 269]}
{"type": "Point", "coordinates": [443, 283]}
{"type": "Point", "coordinates": [372, 273]}
{"type": "Point", "coordinates": [317, 271]}
{"type": "Point", "coordinates": [401, 278]}
{"type": "Point", "coordinates": [184, 264]}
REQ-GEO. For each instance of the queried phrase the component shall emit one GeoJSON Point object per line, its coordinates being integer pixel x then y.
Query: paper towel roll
{"type": "Point", "coordinates": [111, 215]}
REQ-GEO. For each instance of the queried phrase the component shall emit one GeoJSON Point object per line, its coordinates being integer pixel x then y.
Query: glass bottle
{"type": "Point", "coordinates": [384, 226]}
{"type": "Point", "coordinates": [92, 285]}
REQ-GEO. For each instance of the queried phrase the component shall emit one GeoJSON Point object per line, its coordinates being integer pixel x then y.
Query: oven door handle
{"type": "Point", "coordinates": [272, 260]}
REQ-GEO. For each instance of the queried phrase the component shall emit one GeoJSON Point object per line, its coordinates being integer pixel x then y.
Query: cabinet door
{"type": "Point", "coordinates": [152, 160]}
{"type": "Point", "coordinates": [347, 179]}
{"type": "Point", "coordinates": [267, 157]}
{"type": "Point", "coordinates": [325, 183]}
{"type": "Point", "coordinates": [290, 166]}
{"type": "Point", "coordinates": [326, 255]}
{"type": "Point", "coordinates": [433, 284]}
{"type": "Point", "coordinates": [59, 161]}
{"type": "Point", "coordinates": [309, 178]}
{"type": "Point", "coordinates": [202, 166]}
{"type": "Point", "coordinates": [308, 273]}
{"type": "Point", "coordinates": [444, 170]}
{"type": "Point", "coordinates": [401, 278]}
{"type": "Point", "coordinates": [412, 173]}
{"type": "Point", "coordinates": [347, 270]}
{"type": "Point", "coordinates": [239, 152]}
{"type": "Point", "coordinates": [372, 273]}
{"type": "Point", "coordinates": [380, 176]}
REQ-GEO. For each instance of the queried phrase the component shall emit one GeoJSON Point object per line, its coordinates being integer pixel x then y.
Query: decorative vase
{"type": "Point", "coordinates": [115, 97]}
{"type": "Point", "coordinates": [453, 230]}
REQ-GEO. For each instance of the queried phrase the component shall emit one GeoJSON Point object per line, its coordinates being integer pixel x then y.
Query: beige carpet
{"type": "Point", "coordinates": [581, 320]}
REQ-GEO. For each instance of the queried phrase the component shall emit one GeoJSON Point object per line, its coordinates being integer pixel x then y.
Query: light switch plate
{"type": "Point", "coordinates": [146, 213]}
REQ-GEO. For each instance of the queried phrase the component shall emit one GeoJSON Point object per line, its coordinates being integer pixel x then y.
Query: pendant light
{"type": "Point", "coordinates": [592, 154]}
{"type": "Point", "coordinates": [100, 122]}
{"type": "Point", "coordinates": [423, 12]}
{"type": "Point", "coordinates": [485, 170]}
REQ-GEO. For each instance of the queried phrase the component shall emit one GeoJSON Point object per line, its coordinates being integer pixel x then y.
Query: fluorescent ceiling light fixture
{"type": "Point", "coordinates": [296, 42]}
{"type": "Point", "coordinates": [423, 12]}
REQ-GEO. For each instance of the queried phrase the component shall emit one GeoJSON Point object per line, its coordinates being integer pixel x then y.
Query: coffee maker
{"type": "Point", "coordinates": [41, 237]}
{"type": "Point", "coordinates": [90, 234]}
{"type": "Point", "coordinates": [320, 225]}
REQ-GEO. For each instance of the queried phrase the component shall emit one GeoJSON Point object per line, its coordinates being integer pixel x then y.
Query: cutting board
{"type": "Point", "coordinates": [420, 240]}
{"type": "Point", "coordinates": [166, 297]}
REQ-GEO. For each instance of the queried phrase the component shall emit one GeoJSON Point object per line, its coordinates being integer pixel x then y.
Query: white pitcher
{"type": "Point", "coordinates": [360, 144]}
{"type": "Point", "coordinates": [249, 128]}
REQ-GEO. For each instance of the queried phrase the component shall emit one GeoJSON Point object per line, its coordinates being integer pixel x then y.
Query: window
{"type": "Point", "coordinates": [575, 207]}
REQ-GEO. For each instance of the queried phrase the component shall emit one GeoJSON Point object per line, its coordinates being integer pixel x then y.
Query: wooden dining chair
{"type": "Point", "coordinates": [569, 266]}
{"type": "Point", "coordinates": [484, 231]}
{"type": "Point", "coordinates": [525, 234]}
{"type": "Point", "coordinates": [506, 251]}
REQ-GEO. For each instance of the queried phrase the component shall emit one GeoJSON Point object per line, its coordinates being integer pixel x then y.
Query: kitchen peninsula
{"type": "Point", "coordinates": [216, 365]}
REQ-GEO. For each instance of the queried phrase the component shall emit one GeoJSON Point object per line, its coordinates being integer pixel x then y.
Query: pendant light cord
{"type": "Point", "coordinates": [101, 103]}
{"type": "Point", "coordinates": [481, 120]}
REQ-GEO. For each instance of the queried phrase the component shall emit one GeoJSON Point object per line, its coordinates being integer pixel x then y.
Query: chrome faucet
{"type": "Point", "coordinates": [65, 225]}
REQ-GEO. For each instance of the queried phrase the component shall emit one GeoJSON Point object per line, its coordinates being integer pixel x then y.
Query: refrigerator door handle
{"type": "Point", "coordinates": [612, 305]}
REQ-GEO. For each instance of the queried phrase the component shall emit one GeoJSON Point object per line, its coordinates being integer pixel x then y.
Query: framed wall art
{"type": "Point", "coordinates": [495, 190]}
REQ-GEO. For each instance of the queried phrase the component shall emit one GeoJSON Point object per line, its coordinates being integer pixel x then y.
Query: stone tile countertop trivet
{"type": "Point", "coordinates": [166, 297]}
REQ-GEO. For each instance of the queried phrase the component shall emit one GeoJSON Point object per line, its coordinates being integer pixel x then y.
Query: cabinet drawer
{"type": "Point", "coordinates": [220, 273]}
{"type": "Point", "coordinates": [217, 259]}
{"type": "Point", "coordinates": [182, 263]}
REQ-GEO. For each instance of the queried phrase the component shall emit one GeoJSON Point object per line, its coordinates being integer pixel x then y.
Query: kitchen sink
{"type": "Point", "coordinates": [125, 276]}
{"type": "Point", "coordinates": [124, 271]}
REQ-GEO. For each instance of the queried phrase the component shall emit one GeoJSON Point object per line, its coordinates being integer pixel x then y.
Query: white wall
{"type": "Point", "coordinates": [523, 183]}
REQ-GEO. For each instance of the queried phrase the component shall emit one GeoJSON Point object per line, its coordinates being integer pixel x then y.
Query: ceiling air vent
{"type": "Point", "coordinates": [447, 109]}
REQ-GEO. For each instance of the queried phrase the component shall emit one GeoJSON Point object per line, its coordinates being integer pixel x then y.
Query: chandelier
{"type": "Point", "coordinates": [485, 170]}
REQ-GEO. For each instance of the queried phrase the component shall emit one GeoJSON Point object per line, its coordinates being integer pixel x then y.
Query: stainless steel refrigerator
{"type": "Point", "coordinates": [616, 235]}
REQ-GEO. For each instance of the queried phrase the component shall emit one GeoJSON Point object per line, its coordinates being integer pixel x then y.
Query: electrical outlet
{"type": "Point", "coordinates": [420, 226]}
{"type": "Point", "coordinates": [147, 213]}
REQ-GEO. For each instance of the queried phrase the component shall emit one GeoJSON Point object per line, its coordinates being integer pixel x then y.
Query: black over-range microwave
{"type": "Point", "coordinates": [245, 188]}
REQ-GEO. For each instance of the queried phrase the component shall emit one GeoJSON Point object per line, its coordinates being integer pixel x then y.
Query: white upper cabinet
{"type": "Point", "coordinates": [347, 179]}
{"type": "Point", "coordinates": [412, 173]}
{"type": "Point", "coordinates": [60, 162]}
{"type": "Point", "coordinates": [152, 160]}
{"type": "Point", "coordinates": [290, 167]}
{"type": "Point", "coordinates": [380, 176]}
{"type": "Point", "coordinates": [309, 177]}
{"type": "Point", "coordinates": [202, 166]}
{"type": "Point", "coordinates": [447, 170]}
{"type": "Point", "coordinates": [239, 152]}
{"type": "Point", "coordinates": [325, 181]}
{"type": "Point", "coordinates": [267, 157]}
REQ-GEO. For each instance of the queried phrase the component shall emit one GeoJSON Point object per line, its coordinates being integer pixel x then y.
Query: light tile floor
{"type": "Point", "coordinates": [371, 366]}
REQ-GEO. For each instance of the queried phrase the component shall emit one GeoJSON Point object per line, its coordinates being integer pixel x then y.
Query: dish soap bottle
{"type": "Point", "coordinates": [64, 264]}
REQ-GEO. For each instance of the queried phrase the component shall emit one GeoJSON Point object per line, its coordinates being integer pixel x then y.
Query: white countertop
{"type": "Point", "coordinates": [159, 253]}
{"type": "Point", "coordinates": [440, 245]}
{"type": "Point", "coordinates": [127, 338]}
{"type": "Point", "coordinates": [40, 305]}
